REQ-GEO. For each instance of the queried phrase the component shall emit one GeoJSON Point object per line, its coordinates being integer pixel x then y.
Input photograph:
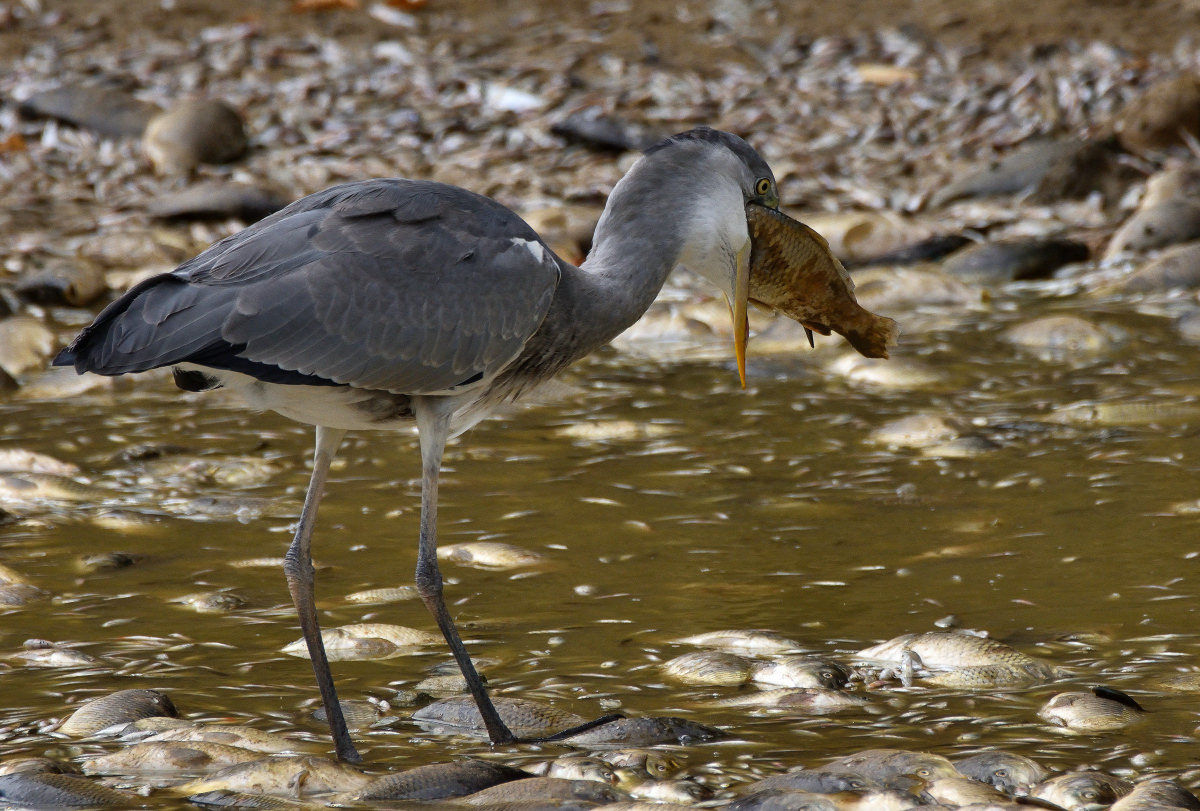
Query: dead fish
{"type": "Point", "coordinates": [41, 653]}
{"type": "Point", "coordinates": [1158, 117]}
{"type": "Point", "coordinates": [443, 686]}
{"type": "Point", "coordinates": [120, 707]}
{"type": "Point", "coordinates": [18, 460]}
{"type": "Point", "coordinates": [890, 767]}
{"type": "Point", "coordinates": [33, 765]}
{"type": "Point", "coordinates": [901, 289]}
{"type": "Point", "coordinates": [243, 737]}
{"type": "Point", "coordinates": [970, 661]}
{"type": "Point", "coordinates": [916, 431]}
{"type": "Point", "coordinates": [1102, 710]}
{"type": "Point", "coordinates": [1156, 795]}
{"type": "Point", "coordinates": [1049, 170]}
{"type": "Point", "coordinates": [927, 250]}
{"type": "Point", "coordinates": [106, 562]}
{"type": "Point", "coordinates": [169, 757]}
{"type": "Point", "coordinates": [439, 781]}
{"type": "Point", "coordinates": [752, 641]}
{"type": "Point", "coordinates": [29, 487]}
{"type": "Point", "coordinates": [899, 374]}
{"type": "Point", "coordinates": [217, 200]}
{"type": "Point", "coordinates": [709, 668]}
{"type": "Point", "coordinates": [285, 776]}
{"type": "Point", "coordinates": [1082, 791]}
{"type": "Point", "coordinates": [13, 595]}
{"type": "Point", "coordinates": [1131, 414]}
{"type": "Point", "coordinates": [578, 768]}
{"type": "Point", "coordinates": [1176, 268]}
{"type": "Point", "coordinates": [25, 344]}
{"type": "Point", "coordinates": [625, 732]}
{"type": "Point", "coordinates": [523, 717]}
{"type": "Point", "coordinates": [127, 522]}
{"type": "Point", "coordinates": [52, 384]}
{"type": "Point", "coordinates": [614, 430]}
{"type": "Point", "coordinates": [489, 555]}
{"type": "Point", "coordinates": [783, 800]}
{"type": "Point", "coordinates": [211, 602]}
{"type": "Point", "coordinates": [358, 714]}
{"type": "Point", "coordinates": [192, 133]}
{"type": "Point", "coordinates": [1179, 683]}
{"type": "Point", "coordinates": [257, 802]}
{"type": "Point", "coordinates": [816, 781]}
{"type": "Point", "coordinates": [52, 791]}
{"type": "Point", "coordinates": [381, 596]}
{"type": "Point", "coordinates": [854, 236]}
{"type": "Point", "coordinates": [545, 788]}
{"type": "Point", "coordinates": [1012, 774]}
{"type": "Point", "coordinates": [681, 792]}
{"type": "Point", "coordinates": [1060, 337]}
{"type": "Point", "coordinates": [69, 284]}
{"type": "Point", "coordinates": [793, 271]}
{"type": "Point", "coordinates": [1167, 223]}
{"type": "Point", "coordinates": [963, 447]}
{"type": "Point", "coordinates": [106, 110]}
{"type": "Point", "coordinates": [800, 671]}
{"type": "Point", "coordinates": [594, 128]}
{"type": "Point", "coordinates": [368, 640]}
{"type": "Point", "coordinates": [658, 765]}
{"type": "Point", "coordinates": [806, 699]}
{"type": "Point", "coordinates": [241, 508]}
{"type": "Point", "coordinates": [1013, 260]}
{"type": "Point", "coordinates": [959, 791]}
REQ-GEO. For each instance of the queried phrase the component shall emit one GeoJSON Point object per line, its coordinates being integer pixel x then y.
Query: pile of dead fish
{"type": "Point", "coordinates": [635, 764]}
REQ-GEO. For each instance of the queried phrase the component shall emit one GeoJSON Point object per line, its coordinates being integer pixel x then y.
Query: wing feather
{"type": "Point", "coordinates": [407, 286]}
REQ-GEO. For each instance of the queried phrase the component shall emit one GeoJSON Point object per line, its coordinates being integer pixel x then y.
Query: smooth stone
{"type": "Point", "coordinates": [1059, 337]}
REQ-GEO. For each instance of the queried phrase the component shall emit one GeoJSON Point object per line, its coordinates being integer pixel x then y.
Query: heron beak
{"type": "Point", "coordinates": [737, 306]}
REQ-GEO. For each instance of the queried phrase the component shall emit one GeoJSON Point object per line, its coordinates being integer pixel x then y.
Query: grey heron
{"type": "Point", "coordinates": [380, 303]}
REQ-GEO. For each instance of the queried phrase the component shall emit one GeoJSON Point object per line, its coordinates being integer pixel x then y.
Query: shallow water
{"type": "Point", "coordinates": [763, 508]}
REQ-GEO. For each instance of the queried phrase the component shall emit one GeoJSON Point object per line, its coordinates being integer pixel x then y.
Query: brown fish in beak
{"type": "Point", "coordinates": [793, 271]}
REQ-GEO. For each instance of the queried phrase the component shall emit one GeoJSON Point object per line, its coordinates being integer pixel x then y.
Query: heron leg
{"type": "Point", "coordinates": [433, 424]}
{"type": "Point", "coordinates": [298, 568]}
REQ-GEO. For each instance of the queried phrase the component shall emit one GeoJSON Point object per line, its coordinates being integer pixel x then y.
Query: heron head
{"type": "Point", "coordinates": [723, 175]}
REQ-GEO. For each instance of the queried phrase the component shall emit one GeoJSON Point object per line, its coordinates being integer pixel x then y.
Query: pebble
{"type": "Point", "coordinates": [193, 133]}
{"type": "Point", "coordinates": [1014, 260]}
{"type": "Point", "coordinates": [107, 111]}
{"type": "Point", "coordinates": [1156, 119]}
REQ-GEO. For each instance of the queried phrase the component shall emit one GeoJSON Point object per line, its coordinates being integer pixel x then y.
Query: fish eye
{"type": "Point", "coordinates": [923, 772]}
{"type": "Point", "coordinates": [762, 186]}
{"type": "Point", "coordinates": [1001, 772]}
{"type": "Point", "coordinates": [1090, 795]}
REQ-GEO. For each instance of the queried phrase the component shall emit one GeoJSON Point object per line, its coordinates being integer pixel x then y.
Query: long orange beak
{"type": "Point", "coordinates": [741, 295]}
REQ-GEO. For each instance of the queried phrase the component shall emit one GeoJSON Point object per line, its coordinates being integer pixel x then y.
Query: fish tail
{"type": "Point", "coordinates": [873, 335]}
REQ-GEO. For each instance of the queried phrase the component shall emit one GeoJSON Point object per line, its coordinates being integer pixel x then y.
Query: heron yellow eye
{"type": "Point", "coordinates": [762, 186]}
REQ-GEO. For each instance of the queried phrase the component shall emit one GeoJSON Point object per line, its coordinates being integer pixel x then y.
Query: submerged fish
{"type": "Point", "coordinates": [120, 707]}
{"type": "Point", "coordinates": [287, 776]}
{"type": "Point", "coordinates": [438, 781]}
{"type": "Point", "coordinates": [170, 757]}
{"type": "Point", "coordinates": [522, 717]}
{"type": "Point", "coordinates": [803, 699]}
{"type": "Point", "coordinates": [782, 800]}
{"type": "Point", "coordinates": [753, 641]}
{"type": "Point", "coordinates": [1082, 791]}
{"type": "Point", "coordinates": [1156, 795]}
{"type": "Point", "coordinates": [366, 640]}
{"type": "Point", "coordinates": [53, 791]}
{"type": "Point", "coordinates": [816, 781]}
{"type": "Point", "coordinates": [242, 737]}
{"type": "Point", "coordinates": [709, 668]}
{"type": "Point", "coordinates": [793, 271]}
{"type": "Point", "coordinates": [545, 788]}
{"type": "Point", "coordinates": [646, 732]}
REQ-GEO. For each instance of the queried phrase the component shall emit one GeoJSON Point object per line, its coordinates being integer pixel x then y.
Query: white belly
{"type": "Point", "coordinates": [341, 406]}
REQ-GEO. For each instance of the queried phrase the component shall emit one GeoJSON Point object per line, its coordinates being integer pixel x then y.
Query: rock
{"type": "Point", "coordinates": [594, 128]}
{"type": "Point", "coordinates": [1047, 170]}
{"type": "Point", "coordinates": [1160, 225]}
{"type": "Point", "coordinates": [193, 133]}
{"type": "Point", "coordinates": [105, 110]}
{"type": "Point", "coordinates": [1176, 268]}
{"type": "Point", "coordinates": [217, 200]}
{"type": "Point", "coordinates": [1059, 337]}
{"type": "Point", "coordinates": [1156, 119]}
{"type": "Point", "coordinates": [72, 284]}
{"type": "Point", "coordinates": [1014, 260]}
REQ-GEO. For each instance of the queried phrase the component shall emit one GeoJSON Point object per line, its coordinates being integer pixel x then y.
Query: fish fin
{"type": "Point", "coordinates": [1113, 694]}
{"type": "Point", "coordinates": [873, 342]}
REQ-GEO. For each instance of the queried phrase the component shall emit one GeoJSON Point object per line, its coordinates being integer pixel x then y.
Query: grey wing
{"type": "Point", "coordinates": [405, 286]}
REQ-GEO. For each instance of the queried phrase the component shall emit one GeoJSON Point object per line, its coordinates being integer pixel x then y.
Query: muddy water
{"type": "Point", "coordinates": [763, 508]}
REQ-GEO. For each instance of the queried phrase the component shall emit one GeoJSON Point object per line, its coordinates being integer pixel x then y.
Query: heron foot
{"type": "Point", "coordinates": [568, 733]}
